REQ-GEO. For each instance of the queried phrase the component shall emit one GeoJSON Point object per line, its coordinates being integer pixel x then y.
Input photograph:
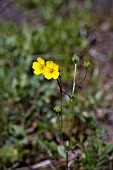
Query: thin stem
{"type": "Point", "coordinates": [66, 160]}
{"type": "Point", "coordinates": [61, 103]}
{"type": "Point", "coordinates": [58, 121]}
{"type": "Point", "coordinates": [66, 93]}
{"type": "Point", "coordinates": [61, 120]}
{"type": "Point", "coordinates": [71, 100]}
{"type": "Point", "coordinates": [72, 108]}
{"type": "Point", "coordinates": [61, 90]}
{"type": "Point", "coordinates": [83, 77]}
{"type": "Point", "coordinates": [60, 115]}
{"type": "Point", "coordinates": [74, 79]}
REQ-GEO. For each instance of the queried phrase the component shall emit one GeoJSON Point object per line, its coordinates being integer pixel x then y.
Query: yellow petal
{"type": "Point", "coordinates": [48, 76]}
{"type": "Point", "coordinates": [49, 64]}
{"type": "Point", "coordinates": [55, 67]}
{"type": "Point", "coordinates": [55, 74]}
{"type": "Point", "coordinates": [45, 70]}
{"type": "Point", "coordinates": [35, 65]}
{"type": "Point", "coordinates": [37, 71]}
{"type": "Point", "coordinates": [41, 60]}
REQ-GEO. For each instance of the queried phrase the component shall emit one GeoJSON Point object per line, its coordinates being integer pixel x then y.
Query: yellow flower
{"type": "Point", "coordinates": [38, 66]}
{"type": "Point", "coordinates": [51, 70]}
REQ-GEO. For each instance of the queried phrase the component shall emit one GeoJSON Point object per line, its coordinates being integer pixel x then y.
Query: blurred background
{"type": "Point", "coordinates": [55, 30]}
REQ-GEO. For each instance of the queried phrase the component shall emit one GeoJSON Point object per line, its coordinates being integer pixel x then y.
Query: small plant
{"type": "Point", "coordinates": [51, 70]}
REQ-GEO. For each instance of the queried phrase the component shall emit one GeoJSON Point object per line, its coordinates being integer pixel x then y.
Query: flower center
{"type": "Point", "coordinates": [51, 71]}
{"type": "Point", "coordinates": [42, 67]}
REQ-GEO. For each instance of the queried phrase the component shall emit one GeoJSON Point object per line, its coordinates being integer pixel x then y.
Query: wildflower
{"type": "Point", "coordinates": [38, 66]}
{"type": "Point", "coordinates": [51, 70]}
{"type": "Point", "coordinates": [86, 64]}
{"type": "Point", "coordinates": [57, 108]}
{"type": "Point", "coordinates": [75, 58]}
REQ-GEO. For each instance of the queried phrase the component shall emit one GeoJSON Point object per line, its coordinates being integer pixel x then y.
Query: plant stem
{"type": "Point", "coordinates": [72, 108]}
{"type": "Point", "coordinates": [61, 90]}
{"type": "Point", "coordinates": [58, 121]}
{"type": "Point", "coordinates": [71, 100]}
{"type": "Point", "coordinates": [66, 160]}
{"type": "Point", "coordinates": [61, 120]}
{"type": "Point", "coordinates": [61, 102]}
{"type": "Point", "coordinates": [83, 77]}
{"type": "Point", "coordinates": [74, 80]}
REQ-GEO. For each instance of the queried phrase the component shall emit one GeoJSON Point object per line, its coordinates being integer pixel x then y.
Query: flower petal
{"type": "Point", "coordinates": [49, 64]}
{"type": "Point", "coordinates": [55, 74]}
{"type": "Point", "coordinates": [41, 60]}
{"type": "Point", "coordinates": [37, 71]}
{"type": "Point", "coordinates": [55, 67]}
{"type": "Point", "coordinates": [48, 76]}
{"type": "Point", "coordinates": [35, 65]}
{"type": "Point", "coordinates": [46, 70]}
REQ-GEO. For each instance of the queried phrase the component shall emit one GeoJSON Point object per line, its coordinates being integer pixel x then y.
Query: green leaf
{"type": "Point", "coordinates": [81, 116]}
{"type": "Point", "coordinates": [61, 151]}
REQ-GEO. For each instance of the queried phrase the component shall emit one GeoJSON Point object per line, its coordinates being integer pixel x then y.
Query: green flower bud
{"type": "Point", "coordinates": [57, 108]}
{"type": "Point", "coordinates": [86, 64]}
{"type": "Point", "coordinates": [75, 58]}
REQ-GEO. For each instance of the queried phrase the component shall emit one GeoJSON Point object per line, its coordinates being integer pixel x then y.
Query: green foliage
{"type": "Point", "coordinates": [8, 154]}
